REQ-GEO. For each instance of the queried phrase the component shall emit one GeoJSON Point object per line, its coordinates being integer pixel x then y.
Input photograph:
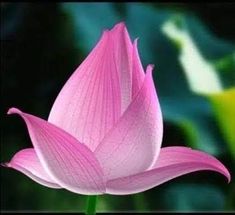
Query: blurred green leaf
{"type": "Point", "coordinates": [224, 108]}
{"type": "Point", "coordinates": [140, 202]}
{"type": "Point", "coordinates": [194, 197]}
{"type": "Point", "coordinates": [226, 64]}
{"type": "Point", "coordinates": [102, 205]}
{"type": "Point", "coordinates": [201, 75]}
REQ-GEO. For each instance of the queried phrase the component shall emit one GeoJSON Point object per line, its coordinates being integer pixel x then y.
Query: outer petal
{"type": "Point", "coordinates": [90, 101]}
{"type": "Point", "coordinates": [27, 162]}
{"type": "Point", "coordinates": [134, 142]}
{"type": "Point", "coordinates": [94, 97]}
{"type": "Point", "coordinates": [68, 162]}
{"type": "Point", "coordinates": [172, 162]}
{"type": "Point", "coordinates": [137, 72]}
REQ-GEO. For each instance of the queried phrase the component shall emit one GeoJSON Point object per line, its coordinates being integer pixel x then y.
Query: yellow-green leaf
{"type": "Point", "coordinates": [224, 108]}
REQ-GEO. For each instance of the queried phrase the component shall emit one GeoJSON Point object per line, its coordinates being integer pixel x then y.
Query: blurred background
{"type": "Point", "coordinates": [193, 49]}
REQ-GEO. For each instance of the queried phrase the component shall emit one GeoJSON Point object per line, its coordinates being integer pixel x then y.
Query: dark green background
{"type": "Point", "coordinates": [42, 44]}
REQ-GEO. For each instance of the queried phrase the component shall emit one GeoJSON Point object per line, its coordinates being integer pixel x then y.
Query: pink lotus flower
{"type": "Point", "coordinates": [104, 131]}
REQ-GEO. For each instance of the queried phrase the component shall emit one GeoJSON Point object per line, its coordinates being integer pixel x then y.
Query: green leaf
{"type": "Point", "coordinates": [224, 109]}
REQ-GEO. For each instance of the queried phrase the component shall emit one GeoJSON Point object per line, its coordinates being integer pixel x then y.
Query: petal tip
{"type": "Point", "coordinates": [5, 164]}
{"type": "Point", "coordinates": [13, 111]}
{"type": "Point", "coordinates": [224, 171]}
{"type": "Point", "coordinates": [106, 31]}
{"type": "Point", "coordinates": [228, 176]}
{"type": "Point", "coordinates": [136, 41]}
{"type": "Point", "coordinates": [150, 68]}
{"type": "Point", "coordinates": [105, 34]}
{"type": "Point", "coordinates": [119, 26]}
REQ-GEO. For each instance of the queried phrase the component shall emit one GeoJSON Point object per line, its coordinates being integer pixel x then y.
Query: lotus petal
{"type": "Point", "coordinates": [171, 163]}
{"type": "Point", "coordinates": [123, 49]}
{"type": "Point", "coordinates": [27, 162]}
{"type": "Point", "coordinates": [69, 163]}
{"type": "Point", "coordinates": [134, 142]}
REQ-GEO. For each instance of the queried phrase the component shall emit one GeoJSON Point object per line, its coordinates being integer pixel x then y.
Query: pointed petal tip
{"type": "Point", "coordinates": [119, 26]}
{"type": "Point", "coordinates": [105, 31]}
{"type": "Point", "coordinates": [5, 164]}
{"type": "Point", "coordinates": [14, 111]}
{"type": "Point", "coordinates": [105, 34]}
{"type": "Point", "coordinates": [150, 68]}
{"type": "Point", "coordinates": [136, 42]}
{"type": "Point", "coordinates": [218, 166]}
{"type": "Point", "coordinates": [227, 175]}
{"type": "Point", "coordinates": [224, 171]}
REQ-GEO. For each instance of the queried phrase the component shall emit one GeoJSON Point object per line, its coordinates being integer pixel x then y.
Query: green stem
{"type": "Point", "coordinates": [91, 205]}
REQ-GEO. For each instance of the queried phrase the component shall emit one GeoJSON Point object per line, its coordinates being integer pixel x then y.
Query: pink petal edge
{"type": "Point", "coordinates": [172, 162]}
{"type": "Point", "coordinates": [68, 162]}
{"type": "Point", "coordinates": [27, 162]}
{"type": "Point", "coordinates": [137, 71]}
